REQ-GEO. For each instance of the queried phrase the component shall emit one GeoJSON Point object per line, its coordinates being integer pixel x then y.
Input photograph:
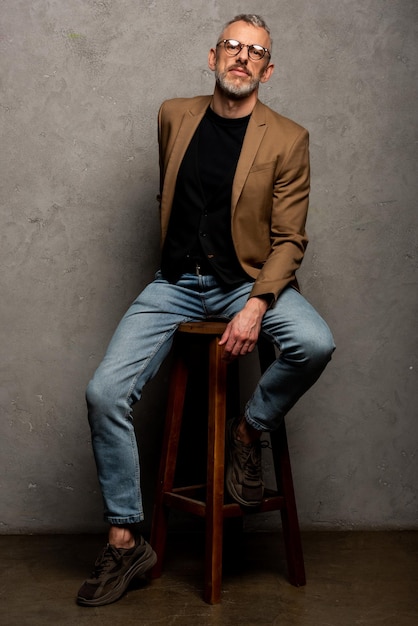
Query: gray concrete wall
{"type": "Point", "coordinates": [81, 84]}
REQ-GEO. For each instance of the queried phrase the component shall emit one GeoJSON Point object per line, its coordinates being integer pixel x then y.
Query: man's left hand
{"type": "Point", "coordinates": [241, 334]}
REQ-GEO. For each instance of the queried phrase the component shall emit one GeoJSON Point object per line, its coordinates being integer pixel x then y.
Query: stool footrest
{"type": "Point", "coordinates": [184, 503]}
{"type": "Point", "coordinates": [192, 499]}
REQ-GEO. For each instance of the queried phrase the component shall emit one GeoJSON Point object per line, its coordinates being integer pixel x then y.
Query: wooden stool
{"type": "Point", "coordinates": [207, 501]}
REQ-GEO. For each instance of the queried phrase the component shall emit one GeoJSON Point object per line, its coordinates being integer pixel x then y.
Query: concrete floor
{"type": "Point", "coordinates": [354, 578]}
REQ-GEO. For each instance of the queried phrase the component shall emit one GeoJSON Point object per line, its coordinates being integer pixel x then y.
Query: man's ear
{"type": "Point", "coordinates": [212, 59]}
{"type": "Point", "coordinates": [267, 73]}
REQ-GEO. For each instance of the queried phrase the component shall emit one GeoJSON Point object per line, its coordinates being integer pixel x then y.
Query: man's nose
{"type": "Point", "coordinates": [243, 55]}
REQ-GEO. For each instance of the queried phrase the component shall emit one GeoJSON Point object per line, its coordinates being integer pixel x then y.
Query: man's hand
{"type": "Point", "coordinates": [241, 334]}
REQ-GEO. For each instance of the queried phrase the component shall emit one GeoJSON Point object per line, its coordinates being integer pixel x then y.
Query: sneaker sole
{"type": "Point", "coordinates": [147, 561]}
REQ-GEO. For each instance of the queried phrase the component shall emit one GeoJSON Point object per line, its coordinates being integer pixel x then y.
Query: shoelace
{"type": "Point", "coordinates": [106, 561]}
{"type": "Point", "coordinates": [252, 465]}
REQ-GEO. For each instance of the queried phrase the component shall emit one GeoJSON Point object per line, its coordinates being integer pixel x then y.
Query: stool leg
{"type": "Point", "coordinates": [289, 515]}
{"type": "Point", "coordinates": [176, 398]}
{"type": "Point", "coordinates": [215, 473]}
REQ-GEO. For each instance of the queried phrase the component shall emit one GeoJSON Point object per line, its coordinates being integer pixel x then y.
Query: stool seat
{"type": "Point", "coordinates": [207, 500]}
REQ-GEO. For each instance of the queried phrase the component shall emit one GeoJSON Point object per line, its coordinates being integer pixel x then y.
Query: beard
{"type": "Point", "coordinates": [233, 87]}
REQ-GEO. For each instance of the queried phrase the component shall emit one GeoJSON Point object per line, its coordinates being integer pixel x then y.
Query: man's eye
{"type": "Point", "coordinates": [257, 52]}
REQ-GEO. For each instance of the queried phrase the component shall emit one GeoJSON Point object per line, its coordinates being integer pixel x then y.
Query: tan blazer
{"type": "Point", "coordinates": [270, 190]}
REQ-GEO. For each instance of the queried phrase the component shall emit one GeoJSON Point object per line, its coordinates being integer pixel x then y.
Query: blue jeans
{"type": "Point", "coordinates": [142, 341]}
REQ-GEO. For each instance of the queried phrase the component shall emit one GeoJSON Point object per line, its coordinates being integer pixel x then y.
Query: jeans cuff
{"type": "Point", "coordinates": [123, 521]}
{"type": "Point", "coordinates": [252, 422]}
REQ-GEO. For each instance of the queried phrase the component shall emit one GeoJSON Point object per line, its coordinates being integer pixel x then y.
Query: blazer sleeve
{"type": "Point", "coordinates": [288, 239]}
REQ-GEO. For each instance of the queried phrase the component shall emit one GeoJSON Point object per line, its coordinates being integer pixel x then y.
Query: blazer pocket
{"type": "Point", "coordinates": [269, 165]}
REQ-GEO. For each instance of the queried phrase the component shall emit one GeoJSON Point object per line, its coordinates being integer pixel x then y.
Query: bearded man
{"type": "Point", "coordinates": [234, 199]}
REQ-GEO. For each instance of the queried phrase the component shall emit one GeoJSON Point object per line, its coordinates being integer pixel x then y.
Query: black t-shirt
{"type": "Point", "coordinates": [200, 222]}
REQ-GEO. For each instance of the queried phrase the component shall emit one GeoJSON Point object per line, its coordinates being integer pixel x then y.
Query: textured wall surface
{"type": "Point", "coordinates": [81, 83]}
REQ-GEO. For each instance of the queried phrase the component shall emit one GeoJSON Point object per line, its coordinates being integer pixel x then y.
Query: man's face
{"type": "Point", "coordinates": [239, 76]}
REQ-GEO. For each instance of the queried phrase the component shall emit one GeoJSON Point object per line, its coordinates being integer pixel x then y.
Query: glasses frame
{"type": "Point", "coordinates": [244, 45]}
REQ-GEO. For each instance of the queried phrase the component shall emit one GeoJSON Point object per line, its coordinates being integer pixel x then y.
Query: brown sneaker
{"type": "Point", "coordinates": [243, 477]}
{"type": "Point", "coordinates": [113, 571]}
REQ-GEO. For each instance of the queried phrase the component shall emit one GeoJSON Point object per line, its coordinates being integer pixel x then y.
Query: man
{"type": "Point", "coordinates": [234, 198]}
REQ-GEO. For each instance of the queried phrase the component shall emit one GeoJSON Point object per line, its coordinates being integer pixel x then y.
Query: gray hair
{"type": "Point", "coordinates": [248, 18]}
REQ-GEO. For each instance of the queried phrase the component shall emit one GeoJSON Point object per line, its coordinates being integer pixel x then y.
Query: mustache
{"type": "Point", "coordinates": [240, 66]}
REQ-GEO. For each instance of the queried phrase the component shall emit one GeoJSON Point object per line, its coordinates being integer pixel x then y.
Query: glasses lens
{"type": "Point", "coordinates": [256, 52]}
{"type": "Point", "coordinates": [232, 46]}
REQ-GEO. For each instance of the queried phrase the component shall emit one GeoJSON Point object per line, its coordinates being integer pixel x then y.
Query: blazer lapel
{"type": "Point", "coordinates": [190, 122]}
{"type": "Point", "coordinates": [257, 127]}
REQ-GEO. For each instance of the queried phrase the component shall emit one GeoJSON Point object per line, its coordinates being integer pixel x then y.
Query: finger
{"type": "Point", "coordinates": [231, 350]}
{"type": "Point", "coordinates": [225, 337]}
{"type": "Point", "coordinates": [246, 348]}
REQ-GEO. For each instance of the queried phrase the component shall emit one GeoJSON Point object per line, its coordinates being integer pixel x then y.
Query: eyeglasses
{"type": "Point", "coordinates": [234, 47]}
